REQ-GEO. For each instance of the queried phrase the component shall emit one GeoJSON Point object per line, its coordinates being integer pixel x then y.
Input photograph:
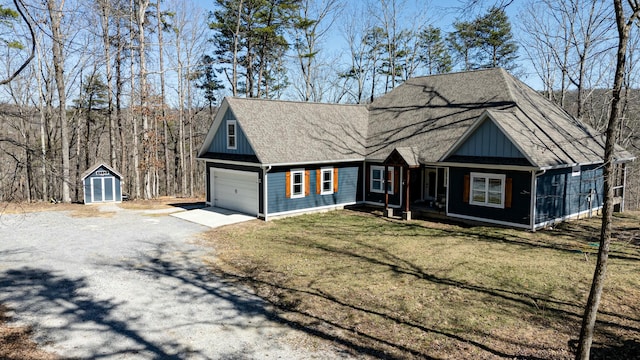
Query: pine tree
{"type": "Point", "coordinates": [495, 40]}
{"type": "Point", "coordinates": [463, 43]}
{"type": "Point", "coordinates": [434, 53]}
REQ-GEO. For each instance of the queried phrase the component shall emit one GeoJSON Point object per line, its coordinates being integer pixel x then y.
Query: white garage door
{"type": "Point", "coordinates": [235, 190]}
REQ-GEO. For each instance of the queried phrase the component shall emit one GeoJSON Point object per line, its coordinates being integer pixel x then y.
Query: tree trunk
{"type": "Point", "coordinates": [144, 105]}
{"type": "Point", "coordinates": [134, 121]}
{"type": "Point", "coordinates": [165, 125]}
{"type": "Point", "coordinates": [55, 15]}
{"type": "Point", "coordinates": [119, 84]}
{"type": "Point", "coordinates": [593, 302]}
{"type": "Point", "coordinates": [106, 14]}
{"type": "Point", "coordinates": [181, 155]}
{"type": "Point", "coordinates": [236, 37]}
{"type": "Point", "coordinates": [43, 126]}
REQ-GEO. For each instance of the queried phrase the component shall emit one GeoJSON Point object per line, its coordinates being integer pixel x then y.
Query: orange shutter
{"type": "Point", "coordinates": [318, 181]}
{"type": "Point", "coordinates": [307, 182]}
{"type": "Point", "coordinates": [465, 189]}
{"type": "Point", "coordinates": [508, 189]}
{"type": "Point", "coordinates": [335, 180]}
{"type": "Point", "coordinates": [287, 187]}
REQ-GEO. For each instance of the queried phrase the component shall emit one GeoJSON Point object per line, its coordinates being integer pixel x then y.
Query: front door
{"type": "Point", "coordinates": [430, 184]}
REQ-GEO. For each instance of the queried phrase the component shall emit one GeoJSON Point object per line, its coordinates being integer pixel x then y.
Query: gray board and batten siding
{"type": "Point", "coordinates": [102, 184]}
{"type": "Point", "coordinates": [349, 188]}
{"type": "Point", "coordinates": [519, 211]}
{"type": "Point", "coordinates": [565, 193]}
{"type": "Point", "coordinates": [219, 142]}
{"type": "Point", "coordinates": [488, 140]}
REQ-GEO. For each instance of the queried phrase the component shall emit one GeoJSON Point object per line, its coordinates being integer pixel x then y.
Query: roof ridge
{"type": "Point", "coordinates": [504, 74]}
{"type": "Point", "coordinates": [458, 72]}
{"type": "Point", "coordinates": [294, 101]}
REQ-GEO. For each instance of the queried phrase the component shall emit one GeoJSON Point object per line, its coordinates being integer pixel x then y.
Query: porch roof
{"type": "Point", "coordinates": [403, 156]}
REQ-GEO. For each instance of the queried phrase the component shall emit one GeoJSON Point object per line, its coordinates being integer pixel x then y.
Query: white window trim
{"type": "Point", "coordinates": [302, 193]}
{"type": "Point", "coordinates": [384, 179]}
{"type": "Point", "coordinates": [235, 134]}
{"type": "Point", "coordinates": [501, 177]}
{"type": "Point", "coordinates": [322, 172]}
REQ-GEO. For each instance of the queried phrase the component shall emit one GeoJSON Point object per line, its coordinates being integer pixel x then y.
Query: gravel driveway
{"type": "Point", "coordinates": [132, 286]}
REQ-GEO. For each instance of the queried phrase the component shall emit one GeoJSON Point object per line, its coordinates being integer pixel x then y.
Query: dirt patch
{"type": "Point", "coordinates": [16, 343]}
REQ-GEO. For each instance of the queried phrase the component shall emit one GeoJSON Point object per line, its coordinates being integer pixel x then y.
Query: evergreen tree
{"type": "Point", "coordinates": [207, 81]}
{"type": "Point", "coordinates": [7, 18]}
{"type": "Point", "coordinates": [463, 44]}
{"type": "Point", "coordinates": [375, 50]}
{"type": "Point", "coordinates": [93, 94]}
{"type": "Point", "coordinates": [434, 53]}
{"type": "Point", "coordinates": [496, 47]}
{"type": "Point", "coordinates": [248, 38]}
{"type": "Point", "coordinates": [485, 42]}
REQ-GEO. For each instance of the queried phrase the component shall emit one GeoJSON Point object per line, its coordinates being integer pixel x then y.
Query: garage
{"type": "Point", "coordinates": [235, 190]}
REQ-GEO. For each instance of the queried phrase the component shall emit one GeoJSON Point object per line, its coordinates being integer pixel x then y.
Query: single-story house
{"type": "Point", "coordinates": [476, 145]}
{"type": "Point", "coordinates": [101, 184]}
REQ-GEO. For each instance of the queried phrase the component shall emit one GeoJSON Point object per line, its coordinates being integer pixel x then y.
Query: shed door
{"type": "Point", "coordinates": [102, 189]}
{"type": "Point", "coordinates": [235, 190]}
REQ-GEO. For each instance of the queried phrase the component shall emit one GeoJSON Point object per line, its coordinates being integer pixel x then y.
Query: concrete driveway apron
{"type": "Point", "coordinates": [213, 217]}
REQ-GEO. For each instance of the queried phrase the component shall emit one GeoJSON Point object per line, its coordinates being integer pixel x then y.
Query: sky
{"type": "Point", "coordinates": [440, 13]}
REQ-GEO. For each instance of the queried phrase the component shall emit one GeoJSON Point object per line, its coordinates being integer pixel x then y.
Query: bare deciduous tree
{"type": "Point", "coordinates": [55, 10]}
{"type": "Point", "coordinates": [623, 25]}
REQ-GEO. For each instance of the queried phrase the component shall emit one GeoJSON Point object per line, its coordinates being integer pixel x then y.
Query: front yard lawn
{"type": "Point", "coordinates": [421, 289]}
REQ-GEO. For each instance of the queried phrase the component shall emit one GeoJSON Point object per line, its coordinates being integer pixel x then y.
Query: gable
{"type": "Point", "coordinates": [219, 142]}
{"type": "Point", "coordinates": [100, 170]}
{"type": "Point", "coordinates": [488, 141]}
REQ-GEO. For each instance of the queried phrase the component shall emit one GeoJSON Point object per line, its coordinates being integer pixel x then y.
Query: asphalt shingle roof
{"type": "Point", "coordinates": [431, 113]}
{"type": "Point", "coordinates": [423, 118]}
{"type": "Point", "coordinates": [287, 132]}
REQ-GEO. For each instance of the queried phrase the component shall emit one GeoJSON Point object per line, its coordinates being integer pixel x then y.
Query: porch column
{"type": "Point", "coordinates": [407, 197]}
{"type": "Point", "coordinates": [387, 213]}
{"type": "Point", "coordinates": [407, 209]}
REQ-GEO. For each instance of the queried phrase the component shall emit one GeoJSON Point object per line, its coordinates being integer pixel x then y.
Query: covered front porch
{"type": "Point", "coordinates": [423, 187]}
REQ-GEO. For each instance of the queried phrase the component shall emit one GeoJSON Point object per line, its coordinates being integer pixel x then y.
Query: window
{"type": "Point", "coordinates": [326, 181]}
{"type": "Point", "coordinates": [487, 190]}
{"type": "Point", "coordinates": [377, 177]}
{"type": "Point", "coordinates": [297, 183]}
{"type": "Point", "coordinates": [231, 134]}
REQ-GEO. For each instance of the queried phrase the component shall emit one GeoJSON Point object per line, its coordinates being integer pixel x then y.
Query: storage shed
{"type": "Point", "coordinates": [102, 184]}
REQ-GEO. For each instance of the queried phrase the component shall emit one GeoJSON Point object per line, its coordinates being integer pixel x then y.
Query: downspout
{"type": "Point", "coordinates": [265, 197]}
{"type": "Point", "coordinates": [534, 194]}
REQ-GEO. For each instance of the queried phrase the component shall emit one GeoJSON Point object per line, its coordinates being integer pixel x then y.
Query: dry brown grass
{"type": "Point", "coordinates": [76, 210]}
{"type": "Point", "coordinates": [164, 202]}
{"type": "Point", "coordinates": [16, 343]}
{"type": "Point", "coordinates": [423, 289]}
{"type": "Point", "coordinates": [81, 210]}
{"type": "Point", "coordinates": [21, 208]}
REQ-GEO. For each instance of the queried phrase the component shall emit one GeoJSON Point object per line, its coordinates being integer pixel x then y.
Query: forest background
{"type": "Point", "coordinates": [136, 83]}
